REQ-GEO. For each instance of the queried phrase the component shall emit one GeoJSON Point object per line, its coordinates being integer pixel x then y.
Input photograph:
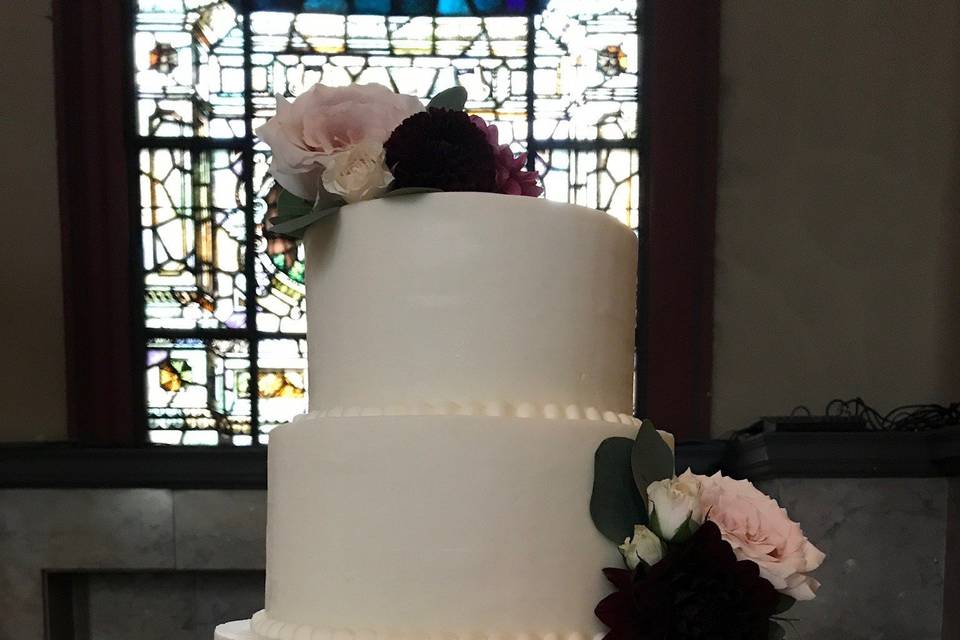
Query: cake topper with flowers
{"type": "Point", "coordinates": [334, 146]}
{"type": "Point", "coordinates": [706, 557]}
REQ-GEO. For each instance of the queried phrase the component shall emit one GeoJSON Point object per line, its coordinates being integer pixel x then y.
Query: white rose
{"type": "Point", "coordinates": [645, 546]}
{"type": "Point", "coordinates": [673, 502]}
{"type": "Point", "coordinates": [358, 173]}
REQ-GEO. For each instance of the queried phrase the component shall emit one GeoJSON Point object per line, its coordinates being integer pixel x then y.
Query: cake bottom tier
{"type": "Point", "coordinates": [236, 630]}
{"type": "Point", "coordinates": [434, 527]}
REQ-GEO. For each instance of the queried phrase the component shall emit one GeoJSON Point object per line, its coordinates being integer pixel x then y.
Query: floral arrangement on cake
{"type": "Point", "coordinates": [706, 557]}
{"type": "Point", "coordinates": [334, 146]}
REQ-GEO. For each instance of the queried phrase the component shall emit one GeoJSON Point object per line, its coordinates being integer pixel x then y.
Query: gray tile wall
{"type": "Point", "coordinates": [119, 529]}
{"type": "Point", "coordinates": [171, 564]}
{"type": "Point", "coordinates": [885, 540]}
{"type": "Point", "coordinates": [185, 605]}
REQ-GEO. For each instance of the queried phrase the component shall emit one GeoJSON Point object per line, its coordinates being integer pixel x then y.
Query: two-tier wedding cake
{"type": "Point", "coordinates": [468, 352]}
{"type": "Point", "coordinates": [470, 468]}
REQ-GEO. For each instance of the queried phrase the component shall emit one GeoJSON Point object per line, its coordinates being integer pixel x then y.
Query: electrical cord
{"type": "Point", "coordinates": [910, 417]}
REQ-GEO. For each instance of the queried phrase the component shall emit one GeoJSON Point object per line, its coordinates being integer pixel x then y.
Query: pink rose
{"type": "Point", "coordinates": [758, 529]}
{"type": "Point", "coordinates": [323, 121]}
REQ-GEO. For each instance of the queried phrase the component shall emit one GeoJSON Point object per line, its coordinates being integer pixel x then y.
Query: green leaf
{"type": "Point", "coordinates": [784, 602]}
{"type": "Point", "coordinates": [615, 505]}
{"type": "Point", "coordinates": [406, 191]}
{"type": "Point", "coordinates": [651, 458]}
{"type": "Point", "coordinates": [684, 533]}
{"type": "Point", "coordinates": [295, 227]}
{"type": "Point", "coordinates": [325, 200]}
{"type": "Point", "coordinates": [294, 214]}
{"type": "Point", "coordinates": [291, 206]}
{"type": "Point", "coordinates": [453, 99]}
{"type": "Point", "coordinates": [776, 632]}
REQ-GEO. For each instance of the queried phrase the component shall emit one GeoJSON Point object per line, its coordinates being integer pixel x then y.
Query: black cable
{"type": "Point", "coordinates": [910, 417]}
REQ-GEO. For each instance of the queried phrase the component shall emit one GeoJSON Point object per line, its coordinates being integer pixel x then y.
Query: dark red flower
{"type": "Point", "coordinates": [699, 591]}
{"type": "Point", "coordinates": [441, 149]}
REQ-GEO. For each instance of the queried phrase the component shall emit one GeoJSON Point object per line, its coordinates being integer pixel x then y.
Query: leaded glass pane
{"type": "Point", "coordinates": [188, 60]}
{"type": "Point", "coordinates": [607, 179]}
{"type": "Point", "coordinates": [587, 75]}
{"type": "Point", "coordinates": [193, 231]}
{"type": "Point", "coordinates": [224, 308]}
{"type": "Point", "coordinates": [198, 385]}
{"type": "Point", "coordinates": [414, 55]}
{"type": "Point", "coordinates": [281, 381]}
{"type": "Point", "coordinates": [281, 291]}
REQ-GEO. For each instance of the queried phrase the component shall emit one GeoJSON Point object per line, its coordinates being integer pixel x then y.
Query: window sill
{"type": "Point", "coordinates": [66, 465]}
{"type": "Point", "coordinates": [757, 457]}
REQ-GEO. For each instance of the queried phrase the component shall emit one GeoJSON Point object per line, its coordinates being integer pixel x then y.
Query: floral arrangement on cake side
{"type": "Point", "coordinates": [706, 557]}
{"type": "Point", "coordinates": [334, 146]}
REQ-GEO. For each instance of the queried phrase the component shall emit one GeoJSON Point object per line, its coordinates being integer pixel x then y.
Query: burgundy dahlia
{"type": "Point", "coordinates": [699, 591]}
{"type": "Point", "coordinates": [440, 149]}
{"type": "Point", "coordinates": [512, 176]}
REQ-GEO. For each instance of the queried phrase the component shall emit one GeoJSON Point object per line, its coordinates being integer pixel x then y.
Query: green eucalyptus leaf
{"type": "Point", "coordinates": [296, 227]}
{"type": "Point", "coordinates": [651, 458]}
{"type": "Point", "coordinates": [615, 505]}
{"type": "Point", "coordinates": [784, 602]}
{"type": "Point", "coordinates": [776, 632]}
{"type": "Point", "coordinates": [453, 99]}
{"type": "Point", "coordinates": [291, 206]}
{"type": "Point", "coordinates": [327, 200]}
{"type": "Point", "coordinates": [406, 191]}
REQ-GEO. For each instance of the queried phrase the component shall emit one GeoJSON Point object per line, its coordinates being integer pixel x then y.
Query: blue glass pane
{"type": "Point", "coordinates": [271, 5]}
{"type": "Point", "coordinates": [325, 6]}
{"type": "Point", "coordinates": [403, 7]}
{"type": "Point", "coordinates": [415, 7]}
{"type": "Point", "coordinates": [453, 8]}
{"type": "Point", "coordinates": [374, 7]}
{"type": "Point", "coordinates": [487, 6]}
{"type": "Point", "coordinates": [480, 7]}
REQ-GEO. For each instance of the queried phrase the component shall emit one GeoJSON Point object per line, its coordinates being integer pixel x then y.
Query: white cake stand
{"type": "Point", "coordinates": [236, 630]}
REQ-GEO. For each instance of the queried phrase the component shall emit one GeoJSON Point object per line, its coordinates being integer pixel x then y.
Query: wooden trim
{"type": "Point", "coordinates": [91, 56]}
{"type": "Point", "coordinates": [682, 104]}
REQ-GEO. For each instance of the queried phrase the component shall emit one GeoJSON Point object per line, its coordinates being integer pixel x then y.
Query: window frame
{"type": "Point", "coordinates": [95, 120]}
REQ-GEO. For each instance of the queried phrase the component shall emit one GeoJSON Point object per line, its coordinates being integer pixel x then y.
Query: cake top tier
{"type": "Point", "coordinates": [431, 287]}
{"type": "Point", "coordinates": [470, 300]}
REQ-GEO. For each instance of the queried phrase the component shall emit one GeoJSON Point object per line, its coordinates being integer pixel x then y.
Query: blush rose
{"type": "Point", "coordinates": [324, 121]}
{"type": "Point", "coordinates": [758, 529]}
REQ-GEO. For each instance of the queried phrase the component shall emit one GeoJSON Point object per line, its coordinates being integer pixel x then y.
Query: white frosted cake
{"type": "Point", "coordinates": [468, 353]}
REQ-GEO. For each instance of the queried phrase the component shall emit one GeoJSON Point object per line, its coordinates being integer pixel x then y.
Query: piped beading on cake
{"type": "Point", "coordinates": [492, 408]}
{"type": "Point", "coordinates": [269, 629]}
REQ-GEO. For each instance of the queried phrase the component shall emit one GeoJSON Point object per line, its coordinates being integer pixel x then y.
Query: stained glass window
{"type": "Point", "coordinates": [224, 307]}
